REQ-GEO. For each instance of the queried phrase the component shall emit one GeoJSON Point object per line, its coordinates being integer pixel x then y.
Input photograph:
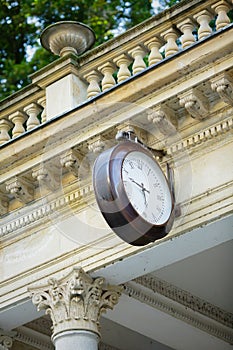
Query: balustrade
{"type": "Point", "coordinates": [119, 60]}
{"type": "Point", "coordinates": [22, 120]}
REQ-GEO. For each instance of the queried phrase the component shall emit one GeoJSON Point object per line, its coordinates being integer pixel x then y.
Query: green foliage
{"type": "Point", "coordinates": [22, 21]}
{"type": "Point", "coordinates": [164, 4]}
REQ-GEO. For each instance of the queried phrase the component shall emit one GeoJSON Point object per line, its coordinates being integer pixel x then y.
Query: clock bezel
{"type": "Point", "coordinates": [113, 200]}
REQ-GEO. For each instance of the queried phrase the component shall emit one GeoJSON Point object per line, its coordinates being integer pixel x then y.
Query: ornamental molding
{"type": "Point", "coordinates": [75, 301]}
{"type": "Point", "coordinates": [187, 299]}
{"type": "Point", "coordinates": [61, 205]}
{"type": "Point", "coordinates": [70, 160]}
{"type": "Point", "coordinates": [35, 339]}
{"type": "Point", "coordinates": [46, 210]}
{"type": "Point", "coordinates": [218, 129]}
{"type": "Point", "coordinates": [23, 190]}
{"type": "Point", "coordinates": [164, 119]}
{"type": "Point", "coordinates": [6, 339]}
{"type": "Point", "coordinates": [20, 188]}
{"type": "Point", "coordinates": [223, 85]}
{"type": "Point", "coordinates": [48, 175]}
{"type": "Point", "coordinates": [195, 102]}
{"type": "Point", "coordinates": [160, 301]}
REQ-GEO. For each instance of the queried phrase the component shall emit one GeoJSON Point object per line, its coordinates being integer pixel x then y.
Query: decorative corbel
{"type": "Point", "coordinates": [223, 85]}
{"type": "Point", "coordinates": [4, 202]}
{"type": "Point", "coordinates": [164, 118]}
{"type": "Point", "coordinates": [48, 176]}
{"type": "Point", "coordinates": [71, 161]}
{"type": "Point", "coordinates": [195, 102]}
{"type": "Point", "coordinates": [96, 144]}
{"type": "Point", "coordinates": [21, 189]}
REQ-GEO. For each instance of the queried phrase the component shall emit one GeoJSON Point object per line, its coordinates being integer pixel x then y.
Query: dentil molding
{"type": "Point", "coordinates": [182, 305]}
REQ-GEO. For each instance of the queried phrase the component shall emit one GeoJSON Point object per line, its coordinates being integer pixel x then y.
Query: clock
{"type": "Point", "coordinates": [133, 193]}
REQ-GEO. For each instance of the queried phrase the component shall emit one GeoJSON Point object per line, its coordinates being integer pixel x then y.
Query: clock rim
{"type": "Point", "coordinates": [114, 203]}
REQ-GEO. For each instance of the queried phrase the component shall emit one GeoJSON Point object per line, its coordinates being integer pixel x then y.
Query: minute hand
{"type": "Point", "coordinates": [140, 185]}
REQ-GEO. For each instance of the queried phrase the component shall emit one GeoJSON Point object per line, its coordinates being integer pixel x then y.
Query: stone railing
{"type": "Point", "coordinates": [120, 59]}
{"type": "Point", "coordinates": [152, 42]}
{"type": "Point", "coordinates": [22, 119]}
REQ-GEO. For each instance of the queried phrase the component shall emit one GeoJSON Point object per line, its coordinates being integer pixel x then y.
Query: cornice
{"type": "Point", "coordinates": [187, 299]}
{"type": "Point", "coordinates": [76, 199]}
{"type": "Point", "coordinates": [181, 305]}
{"type": "Point", "coordinates": [33, 338]}
{"type": "Point", "coordinates": [197, 139]}
{"type": "Point", "coordinates": [47, 209]}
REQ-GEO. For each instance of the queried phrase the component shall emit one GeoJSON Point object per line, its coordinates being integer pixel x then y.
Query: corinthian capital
{"type": "Point", "coordinates": [75, 301]}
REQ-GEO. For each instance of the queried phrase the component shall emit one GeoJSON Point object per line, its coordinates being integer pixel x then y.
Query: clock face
{"type": "Point", "coordinates": [146, 187]}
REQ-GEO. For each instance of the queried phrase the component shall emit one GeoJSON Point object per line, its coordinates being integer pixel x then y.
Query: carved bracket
{"type": "Point", "coordinates": [223, 85]}
{"type": "Point", "coordinates": [47, 175]}
{"type": "Point", "coordinates": [195, 102]}
{"type": "Point", "coordinates": [164, 118]}
{"type": "Point", "coordinates": [96, 145]}
{"type": "Point", "coordinates": [21, 189]}
{"type": "Point", "coordinates": [71, 161]}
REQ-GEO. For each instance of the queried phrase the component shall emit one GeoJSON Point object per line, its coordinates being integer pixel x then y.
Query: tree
{"type": "Point", "coordinates": [22, 22]}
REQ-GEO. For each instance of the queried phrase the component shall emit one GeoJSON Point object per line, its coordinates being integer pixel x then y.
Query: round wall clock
{"type": "Point", "coordinates": [133, 194]}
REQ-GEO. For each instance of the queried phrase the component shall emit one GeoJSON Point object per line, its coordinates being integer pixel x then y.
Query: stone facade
{"type": "Point", "coordinates": [178, 99]}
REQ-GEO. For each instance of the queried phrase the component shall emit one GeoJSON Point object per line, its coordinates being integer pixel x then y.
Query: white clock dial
{"type": "Point", "coordinates": [146, 188]}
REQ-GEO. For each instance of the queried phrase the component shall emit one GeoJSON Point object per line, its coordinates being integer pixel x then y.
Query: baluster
{"type": "Point", "coordinates": [93, 78]}
{"type": "Point", "coordinates": [32, 111]}
{"type": "Point", "coordinates": [170, 37]}
{"type": "Point", "coordinates": [5, 126]}
{"type": "Point", "coordinates": [107, 70]}
{"type": "Point", "coordinates": [154, 45]}
{"type": "Point", "coordinates": [203, 18]}
{"type": "Point", "coordinates": [138, 53]}
{"type": "Point", "coordinates": [123, 61]}
{"type": "Point", "coordinates": [42, 103]}
{"type": "Point", "coordinates": [221, 8]}
{"type": "Point", "coordinates": [186, 28]}
{"type": "Point", "coordinates": [18, 118]}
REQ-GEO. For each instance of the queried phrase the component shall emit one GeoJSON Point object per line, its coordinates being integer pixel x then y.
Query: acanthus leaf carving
{"type": "Point", "coordinates": [70, 160]}
{"type": "Point", "coordinates": [96, 145]}
{"type": "Point", "coordinates": [164, 118]}
{"type": "Point", "coordinates": [223, 85]}
{"type": "Point", "coordinates": [75, 301]}
{"type": "Point", "coordinates": [195, 102]}
{"type": "Point", "coordinates": [48, 175]}
{"type": "Point", "coordinates": [21, 189]}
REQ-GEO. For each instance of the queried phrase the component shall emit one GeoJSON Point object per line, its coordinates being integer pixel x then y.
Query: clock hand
{"type": "Point", "coordinates": [140, 185]}
{"type": "Point", "coordinates": [131, 179]}
{"type": "Point", "coordinates": [144, 195]}
{"type": "Point", "coordinates": [144, 189]}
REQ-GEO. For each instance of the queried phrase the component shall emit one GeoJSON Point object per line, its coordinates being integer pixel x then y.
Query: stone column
{"type": "Point", "coordinates": [75, 304]}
